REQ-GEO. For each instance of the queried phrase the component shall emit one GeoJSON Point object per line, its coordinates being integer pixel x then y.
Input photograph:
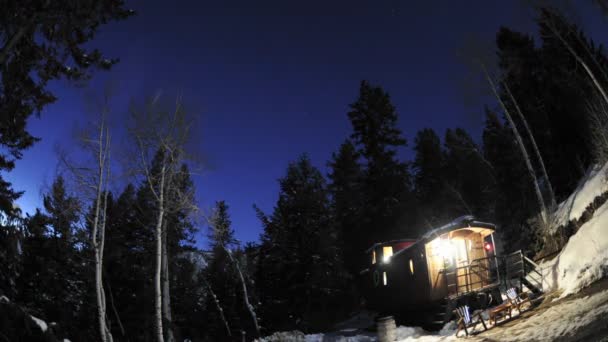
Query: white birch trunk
{"type": "Point", "coordinates": [99, 229]}
{"type": "Point", "coordinates": [157, 278]}
{"type": "Point", "coordinates": [522, 147]}
{"type": "Point", "coordinates": [219, 307]}
{"type": "Point", "coordinates": [245, 295]}
{"type": "Point", "coordinates": [536, 150]}
{"type": "Point", "coordinates": [596, 83]}
{"type": "Point", "coordinates": [166, 288]}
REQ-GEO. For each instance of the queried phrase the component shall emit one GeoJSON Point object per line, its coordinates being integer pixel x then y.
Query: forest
{"type": "Point", "coordinates": [117, 260]}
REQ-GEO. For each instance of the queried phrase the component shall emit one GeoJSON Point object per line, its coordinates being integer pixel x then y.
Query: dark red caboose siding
{"type": "Point", "coordinates": [397, 246]}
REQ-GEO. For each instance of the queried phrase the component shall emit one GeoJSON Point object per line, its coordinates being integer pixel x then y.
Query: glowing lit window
{"type": "Point", "coordinates": [387, 253]}
{"type": "Point", "coordinates": [384, 280]}
{"type": "Point", "coordinates": [411, 267]}
{"type": "Point", "coordinates": [373, 257]}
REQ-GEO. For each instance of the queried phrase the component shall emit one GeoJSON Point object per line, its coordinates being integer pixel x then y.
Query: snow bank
{"type": "Point", "coordinates": [592, 185]}
{"type": "Point", "coordinates": [584, 259]}
{"type": "Point", "coordinates": [41, 323]}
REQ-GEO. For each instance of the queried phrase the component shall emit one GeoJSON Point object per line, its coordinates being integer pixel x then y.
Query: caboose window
{"type": "Point", "coordinates": [387, 253]}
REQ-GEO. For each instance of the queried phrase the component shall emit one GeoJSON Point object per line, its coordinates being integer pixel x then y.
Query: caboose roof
{"type": "Point", "coordinates": [467, 221]}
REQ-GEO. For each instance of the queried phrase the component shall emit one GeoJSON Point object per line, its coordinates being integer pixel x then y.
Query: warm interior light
{"type": "Point", "coordinates": [487, 246]}
{"type": "Point", "coordinates": [387, 253]}
{"type": "Point", "coordinates": [384, 278]}
{"type": "Point", "coordinates": [373, 257]}
{"type": "Point", "coordinates": [446, 249]}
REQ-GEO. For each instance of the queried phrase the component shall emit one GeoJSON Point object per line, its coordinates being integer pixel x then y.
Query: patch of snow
{"type": "Point", "coordinates": [41, 323]}
{"type": "Point", "coordinates": [592, 185]}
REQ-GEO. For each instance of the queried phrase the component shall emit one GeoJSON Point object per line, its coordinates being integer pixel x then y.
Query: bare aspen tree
{"type": "Point", "coordinates": [551, 25]}
{"type": "Point", "coordinates": [94, 182]}
{"type": "Point", "coordinates": [520, 143]}
{"type": "Point", "coordinates": [534, 145]}
{"type": "Point", "coordinates": [218, 306]}
{"type": "Point", "coordinates": [248, 305]}
{"type": "Point", "coordinates": [164, 133]}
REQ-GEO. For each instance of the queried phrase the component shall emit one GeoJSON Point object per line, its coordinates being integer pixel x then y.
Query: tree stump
{"type": "Point", "coordinates": [386, 329]}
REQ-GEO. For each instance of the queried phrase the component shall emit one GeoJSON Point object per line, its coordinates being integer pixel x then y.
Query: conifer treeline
{"type": "Point", "coordinates": [304, 272]}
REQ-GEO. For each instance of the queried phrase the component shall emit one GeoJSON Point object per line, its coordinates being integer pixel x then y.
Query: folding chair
{"type": "Point", "coordinates": [515, 300]}
{"type": "Point", "coordinates": [467, 320]}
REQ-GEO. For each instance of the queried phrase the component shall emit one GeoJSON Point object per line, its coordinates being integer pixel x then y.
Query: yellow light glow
{"type": "Point", "coordinates": [446, 248]}
{"type": "Point", "coordinates": [373, 257]}
{"type": "Point", "coordinates": [387, 253]}
{"type": "Point", "coordinates": [384, 278]}
{"type": "Point", "coordinates": [411, 266]}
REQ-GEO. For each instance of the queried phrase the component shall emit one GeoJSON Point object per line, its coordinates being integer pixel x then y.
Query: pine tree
{"type": "Point", "coordinates": [386, 180]}
{"type": "Point", "coordinates": [40, 39]}
{"type": "Point", "coordinates": [467, 177]}
{"type": "Point", "coordinates": [347, 205]}
{"type": "Point", "coordinates": [221, 276]}
{"type": "Point", "coordinates": [299, 273]}
{"type": "Point", "coordinates": [429, 180]}
{"type": "Point", "coordinates": [53, 283]}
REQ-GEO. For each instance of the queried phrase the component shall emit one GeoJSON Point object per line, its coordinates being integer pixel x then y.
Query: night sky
{"type": "Point", "coordinates": [273, 79]}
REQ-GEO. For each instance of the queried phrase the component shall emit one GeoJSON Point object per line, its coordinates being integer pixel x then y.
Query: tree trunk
{"type": "Point", "coordinates": [157, 278]}
{"type": "Point", "coordinates": [536, 150]}
{"type": "Point", "coordinates": [99, 229]}
{"type": "Point", "coordinates": [102, 243]}
{"type": "Point", "coordinates": [522, 147]}
{"type": "Point", "coordinates": [245, 295]}
{"type": "Point", "coordinates": [597, 84]}
{"type": "Point", "coordinates": [166, 289]}
{"type": "Point", "coordinates": [219, 307]}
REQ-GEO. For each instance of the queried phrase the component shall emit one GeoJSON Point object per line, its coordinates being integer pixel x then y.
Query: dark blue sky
{"type": "Point", "coordinates": [273, 79]}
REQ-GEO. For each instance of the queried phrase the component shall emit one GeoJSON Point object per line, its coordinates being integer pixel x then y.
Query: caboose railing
{"type": "Point", "coordinates": [475, 275]}
{"type": "Point", "coordinates": [513, 270]}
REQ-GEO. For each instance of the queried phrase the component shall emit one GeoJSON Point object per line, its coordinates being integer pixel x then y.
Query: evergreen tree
{"type": "Point", "coordinates": [222, 278]}
{"type": "Point", "coordinates": [347, 204]}
{"type": "Point", "coordinates": [299, 272]}
{"type": "Point", "coordinates": [468, 180]}
{"type": "Point", "coordinates": [54, 281]}
{"type": "Point", "coordinates": [41, 40]}
{"type": "Point", "coordinates": [429, 180]}
{"type": "Point", "coordinates": [386, 180]}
